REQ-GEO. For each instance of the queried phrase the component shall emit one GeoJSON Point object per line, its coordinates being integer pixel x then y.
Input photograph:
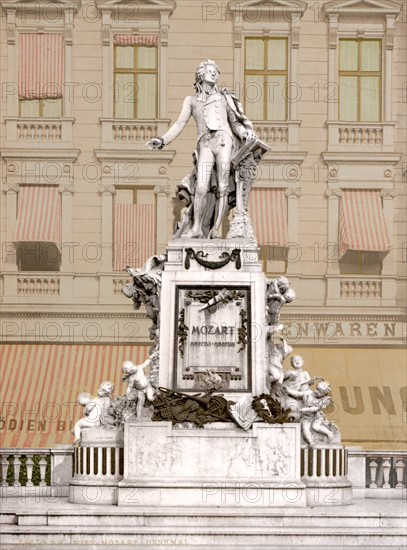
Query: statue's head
{"type": "Point", "coordinates": [105, 389]}
{"type": "Point", "coordinates": [127, 366]}
{"type": "Point", "coordinates": [207, 71]}
{"type": "Point", "coordinates": [84, 398]}
{"type": "Point", "coordinates": [297, 361]}
{"type": "Point", "coordinates": [322, 389]}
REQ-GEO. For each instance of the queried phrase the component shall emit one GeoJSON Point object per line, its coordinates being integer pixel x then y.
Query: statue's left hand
{"type": "Point", "coordinates": [249, 135]}
{"type": "Point", "coordinates": [155, 143]}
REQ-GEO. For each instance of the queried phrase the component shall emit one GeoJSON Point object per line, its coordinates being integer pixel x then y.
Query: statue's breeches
{"type": "Point", "coordinates": [214, 149]}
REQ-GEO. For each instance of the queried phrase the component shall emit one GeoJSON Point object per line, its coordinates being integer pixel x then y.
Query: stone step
{"type": "Point", "coordinates": [195, 535]}
{"type": "Point", "coordinates": [220, 518]}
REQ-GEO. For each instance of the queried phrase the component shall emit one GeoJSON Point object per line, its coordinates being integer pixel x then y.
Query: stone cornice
{"type": "Point", "coordinates": [40, 154]}
{"type": "Point", "coordinates": [38, 5]}
{"type": "Point", "coordinates": [150, 157]}
{"type": "Point", "coordinates": [351, 157]}
{"type": "Point", "coordinates": [284, 157]}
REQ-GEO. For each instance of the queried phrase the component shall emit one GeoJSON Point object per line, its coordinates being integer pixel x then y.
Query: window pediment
{"type": "Point", "coordinates": [357, 8]}
{"type": "Point", "coordinates": [276, 6]}
{"type": "Point", "coordinates": [132, 5]}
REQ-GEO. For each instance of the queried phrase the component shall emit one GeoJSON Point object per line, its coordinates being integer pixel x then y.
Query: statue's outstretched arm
{"type": "Point", "coordinates": [176, 128]}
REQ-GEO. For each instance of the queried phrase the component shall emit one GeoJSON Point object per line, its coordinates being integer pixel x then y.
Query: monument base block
{"type": "Point", "coordinates": [219, 465]}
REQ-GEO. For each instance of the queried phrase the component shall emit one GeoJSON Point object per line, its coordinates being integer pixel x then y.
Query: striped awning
{"type": "Point", "coordinates": [39, 214]}
{"type": "Point", "coordinates": [134, 234]}
{"type": "Point", "coordinates": [40, 66]}
{"type": "Point", "coordinates": [362, 223]}
{"type": "Point", "coordinates": [40, 383]}
{"type": "Point", "coordinates": [135, 40]}
{"type": "Point", "coordinates": [268, 212]}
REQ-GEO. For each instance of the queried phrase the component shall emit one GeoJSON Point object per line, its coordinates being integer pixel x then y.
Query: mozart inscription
{"type": "Point", "coordinates": [212, 332]}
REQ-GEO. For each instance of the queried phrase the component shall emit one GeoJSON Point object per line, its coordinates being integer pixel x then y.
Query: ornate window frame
{"type": "Point", "coordinates": [348, 19]}
{"type": "Point", "coordinates": [133, 17]}
{"type": "Point", "coordinates": [270, 18]}
{"type": "Point", "coordinates": [26, 132]}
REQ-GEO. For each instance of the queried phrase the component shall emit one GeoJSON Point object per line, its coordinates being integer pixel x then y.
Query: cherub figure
{"type": "Point", "coordinates": [138, 385]}
{"type": "Point", "coordinates": [279, 292]}
{"type": "Point", "coordinates": [276, 355]}
{"type": "Point", "coordinates": [312, 418]}
{"type": "Point", "coordinates": [298, 378]}
{"type": "Point", "coordinates": [96, 410]}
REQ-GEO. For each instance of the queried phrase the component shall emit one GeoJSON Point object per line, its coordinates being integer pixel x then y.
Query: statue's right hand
{"type": "Point", "coordinates": [155, 144]}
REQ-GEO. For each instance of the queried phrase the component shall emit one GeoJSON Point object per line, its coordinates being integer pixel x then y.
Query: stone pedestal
{"type": "Point", "coordinates": [98, 467]}
{"type": "Point", "coordinates": [220, 466]}
{"type": "Point", "coordinates": [227, 338]}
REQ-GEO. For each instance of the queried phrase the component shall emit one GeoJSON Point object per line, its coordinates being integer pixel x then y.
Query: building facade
{"type": "Point", "coordinates": [85, 83]}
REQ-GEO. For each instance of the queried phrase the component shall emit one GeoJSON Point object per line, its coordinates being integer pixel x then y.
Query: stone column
{"type": "Point", "coordinates": [163, 65]}
{"type": "Point", "coordinates": [107, 106]}
{"type": "Point", "coordinates": [333, 65]}
{"type": "Point", "coordinates": [66, 269]}
{"type": "Point", "coordinates": [12, 76]}
{"type": "Point", "coordinates": [9, 258]}
{"type": "Point", "coordinates": [292, 194]}
{"type": "Point", "coordinates": [388, 268]}
{"type": "Point", "coordinates": [107, 193]}
{"type": "Point", "coordinates": [162, 192]}
{"type": "Point", "coordinates": [332, 270]}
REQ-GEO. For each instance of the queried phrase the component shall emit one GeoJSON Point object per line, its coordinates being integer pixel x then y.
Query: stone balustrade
{"type": "Point", "coordinates": [35, 471]}
{"type": "Point", "coordinates": [361, 288]}
{"type": "Point", "coordinates": [39, 131]}
{"type": "Point", "coordinates": [118, 284]}
{"type": "Point", "coordinates": [357, 134]}
{"type": "Point", "coordinates": [324, 463]}
{"type": "Point", "coordinates": [272, 132]}
{"type": "Point", "coordinates": [385, 471]}
{"type": "Point", "coordinates": [27, 131]}
{"type": "Point", "coordinates": [38, 284]}
{"type": "Point", "coordinates": [134, 131]}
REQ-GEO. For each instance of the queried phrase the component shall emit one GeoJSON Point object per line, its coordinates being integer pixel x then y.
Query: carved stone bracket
{"type": "Point", "coordinates": [162, 190]}
{"type": "Point", "coordinates": [225, 258]}
{"type": "Point", "coordinates": [388, 193]}
{"type": "Point", "coordinates": [334, 193]}
{"type": "Point", "coordinates": [106, 189]}
{"type": "Point", "coordinates": [66, 188]}
{"type": "Point", "coordinates": [293, 192]}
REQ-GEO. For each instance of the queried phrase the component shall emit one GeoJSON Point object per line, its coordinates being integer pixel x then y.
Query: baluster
{"type": "Point", "coordinates": [314, 462]}
{"type": "Point", "coordinates": [322, 454]}
{"type": "Point", "coordinates": [100, 456]}
{"type": "Point", "coordinates": [330, 462]}
{"type": "Point", "coordinates": [373, 470]}
{"type": "Point", "coordinates": [386, 466]}
{"type": "Point", "coordinates": [43, 468]}
{"type": "Point", "coordinates": [4, 469]}
{"type": "Point", "coordinates": [16, 466]}
{"type": "Point", "coordinates": [399, 466]}
{"type": "Point", "coordinates": [108, 461]}
{"type": "Point", "coordinates": [29, 465]}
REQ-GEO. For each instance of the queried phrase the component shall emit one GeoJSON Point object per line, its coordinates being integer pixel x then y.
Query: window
{"type": "Point", "coordinates": [40, 74]}
{"type": "Point", "coordinates": [136, 78]}
{"type": "Point", "coordinates": [363, 236]}
{"type": "Point", "coordinates": [265, 78]}
{"type": "Point", "coordinates": [134, 227]}
{"type": "Point", "coordinates": [38, 228]}
{"type": "Point", "coordinates": [361, 262]}
{"type": "Point", "coordinates": [360, 79]}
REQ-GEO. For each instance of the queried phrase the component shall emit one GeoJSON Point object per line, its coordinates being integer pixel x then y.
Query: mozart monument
{"type": "Point", "coordinates": [212, 417]}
